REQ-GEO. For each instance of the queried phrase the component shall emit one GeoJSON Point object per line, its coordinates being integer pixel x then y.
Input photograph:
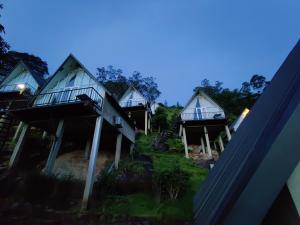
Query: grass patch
{"type": "Point", "coordinates": [145, 204]}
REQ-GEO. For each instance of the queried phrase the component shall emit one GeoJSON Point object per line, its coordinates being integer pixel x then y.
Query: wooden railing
{"type": "Point", "coordinates": [68, 96]}
{"type": "Point", "coordinates": [129, 103]}
{"type": "Point", "coordinates": [215, 115]}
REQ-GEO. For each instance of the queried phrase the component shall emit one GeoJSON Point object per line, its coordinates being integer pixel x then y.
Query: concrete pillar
{"type": "Point", "coordinates": [55, 148]}
{"type": "Point", "coordinates": [92, 163]}
{"type": "Point", "coordinates": [228, 132]}
{"type": "Point", "coordinates": [221, 143]}
{"type": "Point", "coordinates": [207, 142]}
{"type": "Point", "coordinates": [87, 148]}
{"type": "Point", "coordinates": [44, 135]}
{"type": "Point", "coordinates": [19, 146]}
{"type": "Point", "coordinates": [146, 122]}
{"type": "Point", "coordinates": [118, 150]}
{"type": "Point", "coordinates": [17, 131]}
{"type": "Point", "coordinates": [180, 130]}
{"type": "Point", "coordinates": [185, 143]}
{"type": "Point", "coordinates": [131, 149]}
{"type": "Point", "coordinates": [202, 145]}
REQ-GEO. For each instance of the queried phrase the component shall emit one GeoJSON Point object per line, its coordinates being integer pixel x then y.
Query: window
{"type": "Point", "coordinates": [71, 82]}
{"type": "Point", "coordinates": [197, 113]}
{"type": "Point", "coordinates": [129, 102]}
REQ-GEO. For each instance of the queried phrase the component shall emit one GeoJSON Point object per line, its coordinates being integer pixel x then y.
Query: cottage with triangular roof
{"type": "Point", "coordinates": [73, 105]}
{"type": "Point", "coordinates": [201, 122]}
{"type": "Point", "coordinates": [138, 109]}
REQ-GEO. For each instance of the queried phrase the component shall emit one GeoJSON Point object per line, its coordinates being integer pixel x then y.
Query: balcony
{"type": "Point", "coordinates": [203, 114]}
{"type": "Point", "coordinates": [69, 96]}
{"type": "Point", "coordinates": [21, 88]}
{"type": "Point", "coordinates": [130, 103]}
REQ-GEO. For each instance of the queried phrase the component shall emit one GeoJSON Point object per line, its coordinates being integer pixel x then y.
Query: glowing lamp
{"type": "Point", "coordinates": [21, 86]}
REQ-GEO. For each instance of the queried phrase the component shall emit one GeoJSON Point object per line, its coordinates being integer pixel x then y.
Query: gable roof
{"type": "Point", "coordinates": [252, 170]}
{"type": "Point", "coordinates": [41, 81]}
{"type": "Point", "coordinates": [196, 93]}
{"type": "Point", "coordinates": [131, 88]}
{"type": "Point", "coordinates": [72, 57]}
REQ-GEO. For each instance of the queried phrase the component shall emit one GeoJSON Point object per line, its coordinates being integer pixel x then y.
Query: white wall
{"type": "Point", "coordinates": [137, 98]}
{"type": "Point", "coordinates": [22, 78]}
{"type": "Point", "coordinates": [82, 80]}
{"type": "Point", "coordinates": [208, 108]}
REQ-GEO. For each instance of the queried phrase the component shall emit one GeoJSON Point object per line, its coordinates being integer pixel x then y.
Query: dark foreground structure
{"type": "Point", "coordinates": [256, 180]}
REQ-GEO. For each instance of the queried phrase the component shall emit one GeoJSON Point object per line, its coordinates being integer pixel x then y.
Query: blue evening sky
{"type": "Point", "coordinates": [178, 42]}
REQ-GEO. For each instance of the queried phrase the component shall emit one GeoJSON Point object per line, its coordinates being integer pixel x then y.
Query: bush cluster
{"type": "Point", "coordinates": [171, 183]}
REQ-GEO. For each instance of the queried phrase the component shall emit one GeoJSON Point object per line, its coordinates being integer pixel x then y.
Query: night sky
{"type": "Point", "coordinates": [178, 42]}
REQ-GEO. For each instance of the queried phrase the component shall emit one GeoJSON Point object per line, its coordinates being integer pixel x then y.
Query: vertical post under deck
{"type": "Point", "coordinates": [17, 131]}
{"type": "Point", "coordinates": [55, 148]}
{"type": "Point", "coordinates": [19, 146]}
{"type": "Point", "coordinates": [228, 132]}
{"type": "Point", "coordinates": [118, 150]}
{"type": "Point", "coordinates": [92, 163]}
{"type": "Point", "coordinates": [146, 122]}
{"type": "Point", "coordinates": [207, 142]}
{"type": "Point", "coordinates": [221, 143]}
{"type": "Point", "coordinates": [185, 143]}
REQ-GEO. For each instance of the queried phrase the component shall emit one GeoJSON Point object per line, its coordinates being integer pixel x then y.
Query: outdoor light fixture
{"type": "Point", "coordinates": [21, 86]}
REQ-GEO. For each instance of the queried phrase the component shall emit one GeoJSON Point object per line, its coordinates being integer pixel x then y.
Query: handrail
{"type": "Point", "coordinates": [215, 115]}
{"type": "Point", "coordinates": [129, 103]}
{"type": "Point", "coordinates": [67, 96]}
{"type": "Point", "coordinates": [17, 87]}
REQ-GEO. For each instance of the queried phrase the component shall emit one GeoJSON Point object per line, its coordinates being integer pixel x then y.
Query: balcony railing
{"type": "Point", "coordinates": [69, 96]}
{"type": "Point", "coordinates": [129, 103]}
{"type": "Point", "coordinates": [211, 115]}
{"type": "Point", "coordinates": [20, 87]}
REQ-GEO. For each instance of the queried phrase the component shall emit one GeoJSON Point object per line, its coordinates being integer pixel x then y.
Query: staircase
{"type": "Point", "coordinates": [6, 123]}
{"type": "Point", "coordinates": [159, 142]}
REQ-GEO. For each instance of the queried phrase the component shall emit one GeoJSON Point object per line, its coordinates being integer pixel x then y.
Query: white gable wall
{"type": "Point", "coordinates": [137, 98]}
{"type": "Point", "coordinates": [82, 80]}
{"type": "Point", "coordinates": [208, 108]}
{"type": "Point", "coordinates": [59, 82]}
{"type": "Point", "coordinates": [22, 78]}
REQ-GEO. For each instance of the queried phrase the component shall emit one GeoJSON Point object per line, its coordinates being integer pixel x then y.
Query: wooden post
{"type": "Point", "coordinates": [185, 143]}
{"type": "Point", "coordinates": [44, 135]}
{"type": "Point", "coordinates": [202, 145]}
{"type": "Point", "coordinates": [131, 148]}
{"type": "Point", "coordinates": [55, 148]}
{"type": "Point", "coordinates": [146, 122]}
{"type": "Point", "coordinates": [19, 146]}
{"type": "Point", "coordinates": [87, 149]}
{"type": "Point", "coordinates": [228, 132]}
{"type": "Point", "coordinates": [180, 130]}
{"type": "Point", "coordinates": [118, 150]}
{"type": "Point", "coordinates": [92, 163]}
{"type": "Point", "coordinates": [221, 143]}
{"type": "Point", "coordinates": [17, 131]}
{"type": "Point", "coordinates": [207, 142]}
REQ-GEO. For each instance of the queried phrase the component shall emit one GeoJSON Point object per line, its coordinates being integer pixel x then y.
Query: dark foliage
{"type": "Point", "coordinates": [114, 80]}
{"type": "Point", "coordinates": [35, 64]}
{"type": "Point", "coordinates": [171, 183]}
{"type": "Point", "coordinates": [235, 101]}
{"type": "Point", "coordinates": [159, 121]}
{"type": "Point", "coordinates": [4, 46]}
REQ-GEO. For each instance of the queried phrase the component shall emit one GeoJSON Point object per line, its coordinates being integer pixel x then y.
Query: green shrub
{"type": "Point", "coordinates": [170, 184]}
{"type": "Point", "coordinates": [175, 144]}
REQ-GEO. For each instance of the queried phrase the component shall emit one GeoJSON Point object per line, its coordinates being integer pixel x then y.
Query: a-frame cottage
{"type": "Point", "coordinates": [73, 105]}
{"type": "Point", "coordinates": [201, 122]}
{"type": "Point", "coordinates": [256, 179]}
{"type": "Point", "coordinates": [16, 91]}
{"type": "Point", "coordinates": [138, 109]}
